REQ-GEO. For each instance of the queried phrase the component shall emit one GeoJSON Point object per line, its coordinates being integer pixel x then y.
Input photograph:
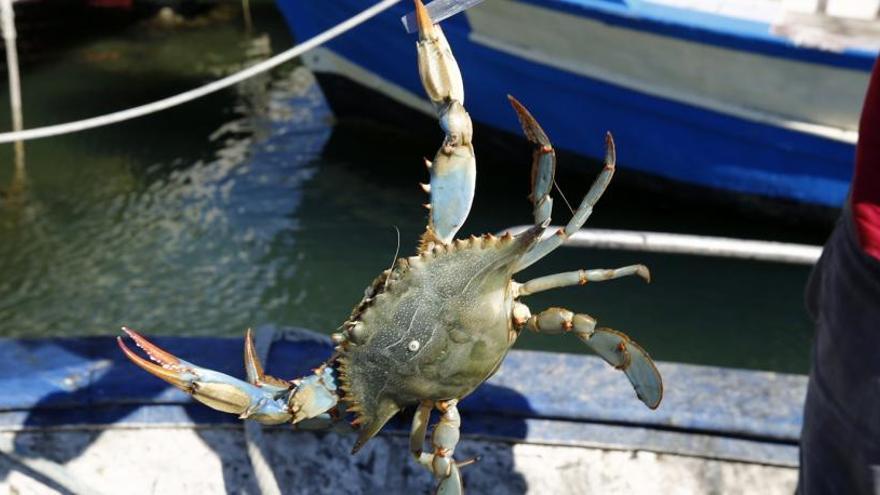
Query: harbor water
{"type": "Point", "coordinates": [258, 206]}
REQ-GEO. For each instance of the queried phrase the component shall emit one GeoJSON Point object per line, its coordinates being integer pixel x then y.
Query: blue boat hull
{"type": "Point", "coordinates": [655, 135]}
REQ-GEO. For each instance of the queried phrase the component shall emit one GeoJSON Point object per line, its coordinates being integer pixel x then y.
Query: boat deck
{"type": "Point", "coordinates": [833, 24]}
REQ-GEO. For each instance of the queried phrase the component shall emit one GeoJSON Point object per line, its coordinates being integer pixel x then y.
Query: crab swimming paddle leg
{"type": "Point", "coordinates": [616, 348]}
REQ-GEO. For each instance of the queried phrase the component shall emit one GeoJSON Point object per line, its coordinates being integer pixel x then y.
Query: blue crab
{"type": "Point", "coordinates": [436, 325]}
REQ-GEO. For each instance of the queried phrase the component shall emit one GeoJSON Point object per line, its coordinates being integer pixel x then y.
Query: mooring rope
{"type": "Point", "coordinates": [172, 101]}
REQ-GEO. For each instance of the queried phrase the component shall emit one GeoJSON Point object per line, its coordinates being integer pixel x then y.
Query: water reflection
{"type": "Point", "coordinates": [179, 250]}
{"type": "Point", "coordinates": [254, 207]}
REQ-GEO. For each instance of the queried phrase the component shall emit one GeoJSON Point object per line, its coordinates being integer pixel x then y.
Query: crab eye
{"type": "Point", "coordinates": [413, 346]}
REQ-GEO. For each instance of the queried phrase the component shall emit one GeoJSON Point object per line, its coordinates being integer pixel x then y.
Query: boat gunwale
{"type": "Point", "coordinates": [704, 27]}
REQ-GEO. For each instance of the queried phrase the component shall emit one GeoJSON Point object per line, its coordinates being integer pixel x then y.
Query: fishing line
{"type": "Point", "coordinates": [564, 199]}
{"type": "Point", "coordinates": [396, 253]}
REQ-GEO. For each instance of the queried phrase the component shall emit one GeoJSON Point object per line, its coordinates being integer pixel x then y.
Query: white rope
{"type": "Point", "coordinates": [156, 106]}
{"type": "Point", "coordinates": [663, 242]}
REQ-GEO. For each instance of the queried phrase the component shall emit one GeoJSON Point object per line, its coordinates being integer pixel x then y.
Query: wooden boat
{"type": "Point", "coordinates": [77, 417]}
{"type": "Point", "coordinates": [703, 92]}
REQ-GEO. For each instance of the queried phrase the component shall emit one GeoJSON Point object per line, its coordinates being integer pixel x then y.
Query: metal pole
{"type": "Point", "coordinates": [246, 11]}
{"type": "Point", "coordinates": [698, 245]}
{"type": "Point", "coordinates": [7, 23]}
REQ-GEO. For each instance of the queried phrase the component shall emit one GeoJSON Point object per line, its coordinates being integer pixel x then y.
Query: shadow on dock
{"type": "Point", "coordinates": [72, 396]}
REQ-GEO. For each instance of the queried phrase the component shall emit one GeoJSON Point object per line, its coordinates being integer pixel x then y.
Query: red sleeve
{"type": "Point", "coordinates": [866, 179]}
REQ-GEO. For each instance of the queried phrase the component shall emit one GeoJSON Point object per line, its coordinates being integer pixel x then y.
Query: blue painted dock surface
{"type": "Point", "coordinates": [536, 397]}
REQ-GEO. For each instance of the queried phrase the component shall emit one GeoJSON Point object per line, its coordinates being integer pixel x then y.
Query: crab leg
{"type": "Point", "coordinates": [585, 209]}
{"type": "Point", "coordinates": [262, 398]}
{"type": "Point", "coordinates": [580, 277]}
{"type": "Point", "coordinates": [443, 440]}
{"type": "Point", "coordinates": [616, 348]}
{"type": "Point", "coordinates": [543, 163]}
{"type": "Point", "coordinates": [420, 428]}
{"type": "Point", "coordinates": [454, 169]}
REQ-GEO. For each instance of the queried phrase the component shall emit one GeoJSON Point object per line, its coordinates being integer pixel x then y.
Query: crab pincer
{"type": "Point", "coordinates": [454, 168]}
{"type": "Point", "coordinates": [263, 398]}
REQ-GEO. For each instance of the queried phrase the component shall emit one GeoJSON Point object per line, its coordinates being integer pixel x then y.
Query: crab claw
{"type": "Point", "coordinates": [424, 22]}
{"type": "Point", "coordinates": [454, 169]}
{"type": "Point", "coordinates": [438, 69]}
{"type": "Point", "coordinates": [268, 405]}
{"type": "Point", "coordinates": [254, 368]}
{"type": "Point", "coordinates": [168, 367]}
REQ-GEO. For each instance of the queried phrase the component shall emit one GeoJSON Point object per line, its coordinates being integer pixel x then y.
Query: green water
{"type": "Point", "coordinates": [254, 206]}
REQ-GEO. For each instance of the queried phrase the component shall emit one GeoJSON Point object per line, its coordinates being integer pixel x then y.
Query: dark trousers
{"type": "Point", "coordinates": [840, 440]}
